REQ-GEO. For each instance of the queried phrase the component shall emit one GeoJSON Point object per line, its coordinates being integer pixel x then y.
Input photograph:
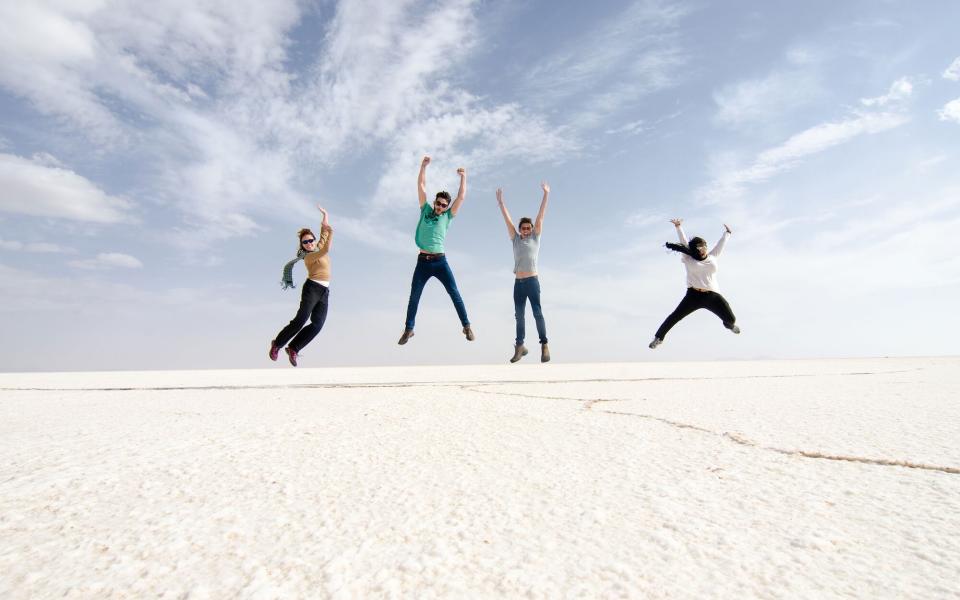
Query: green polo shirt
{"type": "Point", "coordinates": [432, 229]}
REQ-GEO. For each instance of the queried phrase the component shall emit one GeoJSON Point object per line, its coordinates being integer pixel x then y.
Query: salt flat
{"type": "Point", "coordinates": [769, 479]}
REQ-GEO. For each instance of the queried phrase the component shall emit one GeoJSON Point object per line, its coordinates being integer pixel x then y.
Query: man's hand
{"type": "Point", "coordinates": [462, 172]}
{"type": "Point", "coordinates": [545, 186]}
{"type": "Point", "coordinates": [725, 226]}
{"type": "Point", "coordinates": [499, 196]}
{"type": "Point", "coordinates": [677, 222]}
{"type": "Point", "coordinates": [425, 161]}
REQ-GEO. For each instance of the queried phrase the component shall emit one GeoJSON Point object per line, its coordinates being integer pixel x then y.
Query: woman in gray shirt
{"type": "Point", "coordinates": [526, 247]}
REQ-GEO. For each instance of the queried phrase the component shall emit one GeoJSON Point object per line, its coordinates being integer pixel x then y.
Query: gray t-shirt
{"type": "Point", "coordinates": [525, 251]}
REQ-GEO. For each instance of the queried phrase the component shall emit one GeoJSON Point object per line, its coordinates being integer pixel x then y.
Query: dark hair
{"type": "Point", "coordinates": [525, 220]}
{"type": "Point", "coordinates": [690, 249]}
{"type": "Point", "coordinates": [445, 195]}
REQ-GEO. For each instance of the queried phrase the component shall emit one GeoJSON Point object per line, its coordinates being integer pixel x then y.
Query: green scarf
{"type": "Point", "coordinates": [287, 282]}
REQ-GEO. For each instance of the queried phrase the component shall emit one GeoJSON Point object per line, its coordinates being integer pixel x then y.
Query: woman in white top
{"type": "Point", "coordinates": [702, 289]}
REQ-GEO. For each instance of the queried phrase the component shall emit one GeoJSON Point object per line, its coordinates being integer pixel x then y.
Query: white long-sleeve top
{"type": "Point", "coordinates": [702, 274]}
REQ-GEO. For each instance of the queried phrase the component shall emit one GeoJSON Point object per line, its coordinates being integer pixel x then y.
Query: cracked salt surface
{"type": "Point", "coordinates": [648, 480]}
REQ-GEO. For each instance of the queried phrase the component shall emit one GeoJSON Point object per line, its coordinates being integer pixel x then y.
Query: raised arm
{"type": "Point", "coordinates": [326, 234]}
{"type": "Point", "coordinates": [538, 224]}
{"type": "Point", "coordinates": [422, 181]}
{"type": "Point", "coordinates": [511, 230]}
{"type": "Point", "coordinates": [723, 241]}
{"type": "Point", "coordinates": [461, 194]}
{"type": "Point", "coordinates": [678, 223]}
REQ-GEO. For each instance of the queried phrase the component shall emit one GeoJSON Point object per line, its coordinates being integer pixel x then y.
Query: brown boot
{"type": "Point", "coordinates": [407, 334]}
{"type": "Point", "coordinates": [469, 333]}
{"type": "Point", "coordinates": [519, 351]}
{"type": "Point", "coordinates": [544, 353]}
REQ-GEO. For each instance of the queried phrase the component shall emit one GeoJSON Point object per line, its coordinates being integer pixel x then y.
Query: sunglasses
{"type": "Point", "coordinates": [305, 242]}
{"type": "Point", "coordinates": [440, 204]}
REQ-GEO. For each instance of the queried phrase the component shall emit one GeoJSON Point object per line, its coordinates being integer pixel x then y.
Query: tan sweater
{"type": "Point", "coordinates": [318, 262]}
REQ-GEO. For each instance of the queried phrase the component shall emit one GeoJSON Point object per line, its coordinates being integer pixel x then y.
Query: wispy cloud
{"type": "Point", "coordinates": [900, 90]}
{"type": "Point", "coordinates": [759, 100]}
{"type": "Point", "coordinates": [953, 71]}
{"type": "Point", "coordinates": [633, 54]}
{"type": "Point", "coordinates": [732, 180]}
{"type": "Point", "coordinates": [950, 111]}
{"type": "Point", "coordinates": [108, 260]}
{"type": "Point", "coordinates": [36, 247]}
{"type": "Point", "coordinates": [30, 187]}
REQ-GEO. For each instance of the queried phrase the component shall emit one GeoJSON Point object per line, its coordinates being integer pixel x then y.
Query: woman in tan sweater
{"type": "Point", "coordinates": [316, 293]}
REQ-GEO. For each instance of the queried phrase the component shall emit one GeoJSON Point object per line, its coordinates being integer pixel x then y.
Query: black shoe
{"type": "Point", "coordinates": [407, 334]}
{"type": "Point", "coordinates": [519, 351]}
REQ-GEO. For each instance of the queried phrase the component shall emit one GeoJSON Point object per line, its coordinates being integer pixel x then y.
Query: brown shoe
{"type": "Point", "coordinates": [519, 352]}
{"type": "Point", "coordinates": [544, 353]}
{"type": "Point", "coordinates": [469, 333]}
{"type": "Point", "coordinates": [407, 334]}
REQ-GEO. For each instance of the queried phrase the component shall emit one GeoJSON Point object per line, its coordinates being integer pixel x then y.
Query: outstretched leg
{"type": "Point", "coordinates": [445, 275]}
{"type": "Point", "coordinates": [719, 306]}
{"type": "Point", "coordinates": [317, 318]}
{"type": "Point", "coordinates": [308, 300]}
{"type": "Point", "coordinates": [534, 292]}
{"type": "Point", "coordinates": [519, 308]}
{"type": "Point", "coordinates": [691, 302]}
{"type": "Point", "coordinates": [420, 276]}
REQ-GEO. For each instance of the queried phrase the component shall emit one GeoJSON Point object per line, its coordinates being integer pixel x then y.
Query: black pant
{"type": "Point", "coordinates": [313, 305]}
{"type": "Point", "coordinates": [695, 300]}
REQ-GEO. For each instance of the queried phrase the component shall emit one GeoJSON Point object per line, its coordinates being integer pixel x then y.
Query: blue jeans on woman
{"type": "Point", "coordinates": [435, 266]}
{"type": "Point", "coordinates": [528, 287]}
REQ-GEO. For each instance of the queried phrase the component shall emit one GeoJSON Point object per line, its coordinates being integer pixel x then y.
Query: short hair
{"type": "Point", "coordinates": [300, 234]}
{"type": "Point", "coordinates": [445, 195]}
{"type": "Point", "coordinates": [525, 220]}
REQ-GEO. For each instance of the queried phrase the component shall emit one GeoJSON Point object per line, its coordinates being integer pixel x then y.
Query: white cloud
{"type": "Point", "coordinates": [950, 111]}
{"type": "Point", "coordinates": [900, 90]}
{"type": "Point", "coordinates": [37, 247]}
{"type": "Point", "coordinates": [633, 54]}
{"type": "Point", "coordinates": [759, 100]}
{"type": "Point", "coordinates": [108, 260]}
{"type": "Point", "coordinates": [953, 71]}
{"type": "Point", "coordinates": [631, 128]}
{"type": "Point", "coordinates": [787, 155]}
{"type": "Point", "coordinates": [31, 188]}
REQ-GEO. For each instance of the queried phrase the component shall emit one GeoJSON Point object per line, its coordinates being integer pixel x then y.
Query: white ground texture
{"type": "Point", "coordinates": [768, 479]}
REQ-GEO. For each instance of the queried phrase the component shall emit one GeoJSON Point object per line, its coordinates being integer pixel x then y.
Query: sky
{"type": "Point", "coordinates": [157, 160]}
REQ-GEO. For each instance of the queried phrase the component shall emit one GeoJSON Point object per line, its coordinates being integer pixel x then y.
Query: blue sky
{"type": "Point", "coordinates": [157, 159]}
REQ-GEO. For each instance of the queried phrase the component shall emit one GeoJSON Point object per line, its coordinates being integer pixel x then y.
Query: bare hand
{"type": "Point", "coordinates": [462, 172]}
{"type": "Point", "coordinates": [499, 196]}
{"type": "Point", "coordinates": [425, 161]}
{"type": "Point", "coordinates": [677, 222]}
{"type": "Point", "coordinates": [545, 186]}
{"type": "Point", "coordinates": [725, 226]}
{"type": "Point", "coordinates": [324, 211]}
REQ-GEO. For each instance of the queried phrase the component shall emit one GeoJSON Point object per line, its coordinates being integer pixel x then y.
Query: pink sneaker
{"type": "Point", "coordinates": [274, 351]}
{"type": "Point", "coordinates": [292, 355]}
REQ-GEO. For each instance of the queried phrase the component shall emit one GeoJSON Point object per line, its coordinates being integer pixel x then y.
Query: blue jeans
{"type": "Point", "coordinates": [528, 287]}
{"type": "Point", "coordinates": [435, 267]}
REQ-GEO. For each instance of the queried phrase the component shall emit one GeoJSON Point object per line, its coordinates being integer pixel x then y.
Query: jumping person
{"type": "Point", "coordinates": [702, 289]}
{"type": "Point", "coordinates": [315, 294]}
{"type": "Point", "coordinates": [526, 248]}
{"type": "Point", "coordinates": [431, 262]}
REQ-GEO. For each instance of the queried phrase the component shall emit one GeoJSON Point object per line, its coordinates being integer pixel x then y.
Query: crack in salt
{"type": "Point", "coordinates": [589, 403]}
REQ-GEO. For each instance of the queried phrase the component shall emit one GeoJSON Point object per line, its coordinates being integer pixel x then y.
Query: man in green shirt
{"type": "Point", "coordinates": [431, 232]}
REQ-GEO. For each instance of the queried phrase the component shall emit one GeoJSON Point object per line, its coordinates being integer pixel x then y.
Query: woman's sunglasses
{"type": "Point", "coordinates": [309, 241]}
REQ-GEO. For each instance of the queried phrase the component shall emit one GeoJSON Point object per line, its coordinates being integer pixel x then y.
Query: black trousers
{"type": "Point", "coordinates": [695, 300]}
{"type": "Point", "coordinates": [313, 306]}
